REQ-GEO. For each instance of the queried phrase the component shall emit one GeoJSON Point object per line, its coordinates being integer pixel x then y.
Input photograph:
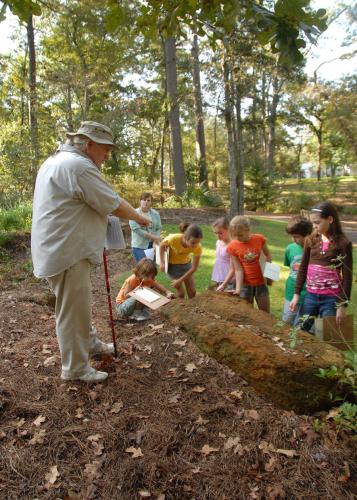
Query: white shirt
{"type": "Point", "coordinates": [70, 208]}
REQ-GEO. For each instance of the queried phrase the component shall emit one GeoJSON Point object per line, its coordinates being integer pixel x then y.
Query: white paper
{"type": "Point", "coordinates": [147, 295]}
{"type": "Point", "coordinates": [150, 253]}
{"type": "Point", "coordinates": [272, 271]}
{"type": "Point", "coordinates": [114, 238]}
{"type": "Point", "coordinates": [166, 257]}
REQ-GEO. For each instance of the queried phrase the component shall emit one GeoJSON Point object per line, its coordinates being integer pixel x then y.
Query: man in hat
{"type": "Point", "coordinates": [71, 205]}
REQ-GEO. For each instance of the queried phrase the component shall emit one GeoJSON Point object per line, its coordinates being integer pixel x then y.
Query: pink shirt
{"type": "Point", "coordinates": [323, 280]}
{"type": "Point", "coordinates": [221, 264]}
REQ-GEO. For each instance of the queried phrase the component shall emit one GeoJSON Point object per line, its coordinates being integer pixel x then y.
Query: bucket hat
{"type": "Point", "coordinates": [97, 132]}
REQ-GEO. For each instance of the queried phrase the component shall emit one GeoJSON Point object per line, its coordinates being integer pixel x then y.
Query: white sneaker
{"type": "Point", "coordinates": [101, 348]}
{"type": "Point", "coordinates": [93, 376]}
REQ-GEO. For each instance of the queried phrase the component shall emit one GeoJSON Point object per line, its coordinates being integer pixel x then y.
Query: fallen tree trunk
{"type": "Point", "coordinates": [249, 342]}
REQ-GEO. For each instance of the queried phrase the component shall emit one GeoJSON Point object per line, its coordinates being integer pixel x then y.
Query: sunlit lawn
{"type": "Point", "coordinates": [277, 239]}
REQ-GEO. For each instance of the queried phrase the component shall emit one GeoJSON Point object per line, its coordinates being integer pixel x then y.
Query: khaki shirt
{"type": "Point", "coordinates": [70, 208]}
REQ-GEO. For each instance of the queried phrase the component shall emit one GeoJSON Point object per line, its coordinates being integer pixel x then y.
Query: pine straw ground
{"type": "Point", "coordinates": [159, 427]}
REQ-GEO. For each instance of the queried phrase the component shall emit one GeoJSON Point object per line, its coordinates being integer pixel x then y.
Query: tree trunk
{"type": "Point", "coordinates": [162, 156]}
{"type": "Point", "coordinates": [69, 109]}
{"type": "Point", "coordinates": [32, 101]}
{"type": "Point", "coordinates": [319, 151]}
{"type": "Point", "coordinates": [240, 148]}
{"type": "Point", "coordinates": [228, 113]}
{"type": "Point", "coordinates": [200, 130]}
{"type": "Point", "coordinates": [272, 125]}
{"type": "Point", "coordinates": [174, 116]}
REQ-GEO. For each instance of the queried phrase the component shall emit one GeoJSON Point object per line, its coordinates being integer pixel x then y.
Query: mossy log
{"type": "Point", "coordinates": [250, 343]}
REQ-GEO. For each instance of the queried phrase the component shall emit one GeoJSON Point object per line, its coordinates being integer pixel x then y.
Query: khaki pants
{"type": "Point", "coordinates": [72, 288]}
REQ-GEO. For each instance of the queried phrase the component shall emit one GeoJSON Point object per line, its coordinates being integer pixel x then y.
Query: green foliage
{"type": "Point", "coordinates": [346, 414]}
{"type": "Point", "coordinates": [194, 197]}
{"type": "Point", "coordinates": [23, 8]}
{"type": "Point", "coordinates": [16, 219]}
{"type": "Point", "coordinates": [293, 204]}
{"type": "Point", "coordinates": [262, 189]}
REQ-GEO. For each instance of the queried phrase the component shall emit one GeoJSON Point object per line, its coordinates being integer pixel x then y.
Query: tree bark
{"type": "Point", "coordinates": [200, 130]}
{"type": "Point", "coordinates": [32, 101]}
{"type": "Point", "coordinates": [272, 125]}
{"type": "Point", "coordinates": [174, 116]}
{"type": "Point", "coordinates": [228, 113]}
{"type": "Point", "coordinates": [240, 149]}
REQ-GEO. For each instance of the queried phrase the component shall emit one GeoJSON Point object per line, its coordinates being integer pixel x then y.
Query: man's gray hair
{"type": "Point", "coordinates": [78, 141]}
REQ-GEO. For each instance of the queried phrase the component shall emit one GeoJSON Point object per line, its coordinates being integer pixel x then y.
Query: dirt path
{"type": "Point", "coordinates": [169, 423]}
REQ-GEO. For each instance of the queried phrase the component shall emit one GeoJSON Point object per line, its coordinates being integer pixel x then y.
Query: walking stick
{"type": "Point", "coordinates": [105, 262]}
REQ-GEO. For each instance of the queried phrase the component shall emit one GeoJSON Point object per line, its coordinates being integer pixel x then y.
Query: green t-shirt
{"type": "Point", "coordinates": [292, 259]}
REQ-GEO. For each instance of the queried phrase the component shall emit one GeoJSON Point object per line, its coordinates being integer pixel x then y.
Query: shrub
{"type": "Point", "coordinates": [194, 197]}
{"type": "Point", "coordinates": [16, 219]}
{"type": "Point", "coordinates": [293, 204]}
{"type": "Point", "coordinates": [262, 189]}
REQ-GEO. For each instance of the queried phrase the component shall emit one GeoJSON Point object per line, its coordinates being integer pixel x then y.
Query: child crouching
{"type": "Point", "coordinates": [144, 275]}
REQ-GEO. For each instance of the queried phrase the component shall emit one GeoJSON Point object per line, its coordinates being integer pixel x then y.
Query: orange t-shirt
{"type": "Point", "coordinates": [248, 254]}
{"type": "Point", "coordinates": [133, 282]}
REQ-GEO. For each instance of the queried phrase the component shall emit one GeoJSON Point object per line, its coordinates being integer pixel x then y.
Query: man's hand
{"type": "Point", "coordinates": [143, 221]}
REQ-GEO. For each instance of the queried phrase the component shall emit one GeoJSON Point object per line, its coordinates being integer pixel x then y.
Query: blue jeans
{"type": "Point", "coordinates": [139, 253]}
{"type": "Point", "coordinates": [127, 307]}
{"type": "Point", "coordinates": [318, 306]}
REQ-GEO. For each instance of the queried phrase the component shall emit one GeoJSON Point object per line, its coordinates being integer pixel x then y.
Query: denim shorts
{"type": "Point", "coordinates": [249, 292]}
{"type": "Point", "coordinates": [175, 271]}
{"type": "Point", "coordinates": [317, 305]}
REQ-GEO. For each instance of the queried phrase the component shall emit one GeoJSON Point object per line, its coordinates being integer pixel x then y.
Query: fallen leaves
{"type": "Point", "coordinates": [92, 470]}
{"type": "Point", "coordinates": [51, 477]}
{"type": "Point", "coordinates": [181, 343]}
{"type": "Point", "coordinates": [38, 437]}
{"type": "Point", "coordinates": [207, 450]}
{"type": "Point", "coordinates": [51, 361]}
{"type": "Point", "coordinates": [269, 447]}
{"type": "Point", "coordinates": [144, 366]}
{"type": "Point", "coordinates": [79, 413]}
{"type": "Point", "coordinates": [117, 407]}
{"type": "Point", "coordinates": [252, 414]}
{"type": "Point", "coordinates": [175, 398]}
{"type": "Point", "coordinates": [198, 389]}
{"type": "Point", "coordinates": [190, 367]}
{"type": "Point", "coordinates": [234, 395]}
{"type": "Point", "coordinates": [39, 420]}
{"type": "Point", "coordinates": [135, 452]}
{"type": "Point", "coordinates": [155, 328]}
{"type": "Point", "coordinates": [201, 421]}
{"type": "Point", "coordinates": [97, 445]}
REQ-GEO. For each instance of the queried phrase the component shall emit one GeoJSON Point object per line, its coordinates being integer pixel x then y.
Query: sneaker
{"type": "Point", "coordinates": [101, 348]}
{"type": "Point", "coordinates": [93, 376]}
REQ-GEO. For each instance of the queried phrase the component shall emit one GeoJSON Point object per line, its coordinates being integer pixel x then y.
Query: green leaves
{"type": "Point", "coordinates": [22, 8]}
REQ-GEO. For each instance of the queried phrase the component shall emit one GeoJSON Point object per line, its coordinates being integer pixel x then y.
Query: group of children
{"type": "Point", "coordinates": [319, 261]}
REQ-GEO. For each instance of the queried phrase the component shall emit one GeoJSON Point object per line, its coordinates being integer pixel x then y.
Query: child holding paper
{"type": "Point", "coordinates": [245, 249]}
{"type": "Point", "coordinates": [144, 275]}
{"type": "Point", "coordinates": [298, 228]}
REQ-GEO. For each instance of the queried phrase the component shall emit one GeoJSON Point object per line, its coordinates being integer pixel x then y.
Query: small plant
{"type": "Point", "coordinates": [346, 414]}
{"type": "Point", "coordinates": [294, 331]}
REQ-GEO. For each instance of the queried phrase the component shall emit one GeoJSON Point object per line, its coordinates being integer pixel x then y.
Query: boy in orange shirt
{"type": "Point", "coordinates": [144, 275]}
{"type": "Point", "coordinates": [245, 249]}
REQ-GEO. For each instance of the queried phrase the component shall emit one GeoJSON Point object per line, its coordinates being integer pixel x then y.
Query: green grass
{"type": "Point", "coordinates": [277, 239]}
